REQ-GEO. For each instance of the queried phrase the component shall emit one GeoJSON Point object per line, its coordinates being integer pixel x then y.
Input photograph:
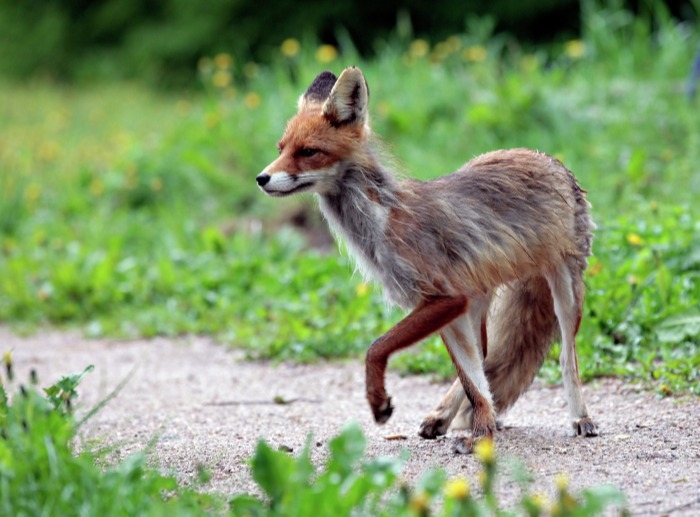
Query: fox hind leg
{"type": "Point", "coordinates": [567, 293]}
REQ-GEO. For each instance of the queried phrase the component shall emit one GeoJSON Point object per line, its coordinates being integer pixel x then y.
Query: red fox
{"type": "Point", "coordinates": [490, 256]}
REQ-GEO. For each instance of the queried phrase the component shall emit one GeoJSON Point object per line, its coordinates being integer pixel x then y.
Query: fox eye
{"type": "Point", "coordinates": [306, 152]}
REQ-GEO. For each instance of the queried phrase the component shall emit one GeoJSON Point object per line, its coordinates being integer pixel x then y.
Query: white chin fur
{"type": "Point", "coordinates": [285, 184]}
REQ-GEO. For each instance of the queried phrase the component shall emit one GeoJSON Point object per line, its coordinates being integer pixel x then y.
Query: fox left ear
{"type": "Point", "coordinates": [348, 100]}
{"type": "Point", "coordinates": [319, 90]}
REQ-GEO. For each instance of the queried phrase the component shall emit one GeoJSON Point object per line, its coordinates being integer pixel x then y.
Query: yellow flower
{"type": "Point", "coordinates": [595, 268]}
{"type": "Point", "coordinates": [251, 100]}
{"type": "Point", "coordinates": [561, 481]}
{"type": "Point", "coordinates": [290, 47]}
{"type": "Point", "coordinates": [49, 151]}
{"type": "Point", "coordinates": [529, 63]}
{"type": "Point", "coordinates": [485, 451]}
{"type": "Point", "coordinates": [441, 52]}
{"type": "Point", "coordinates": [634, 239]}
{"type": "Point", "coordinates": [326, 53]}
{"type": "Point", "coordinates": [419, 502]}
{"type": "Point", "coordinates": [419, 48]}
{"type": "Point", "coordinates": [221, 78]}
{"type": "Point", "coordinates": [32, 193]}
{"type": "Point", "coordinates": [251, 69]}
{"type": "Point", "coordinates": [97, 187]}
{"type": "Point", "coordinates": [223, 61]}
{"type": "Point", "coordinates": [540, 500]}
{"type": "Point", "coordinates": [575, 49]}
{"type": "Point", "coordinates": [156, 184]}
{"type": "Point", "coordinates": [454, 43]}
{"type": "Point", "coordinates": [362, 289]}
{"type": "Point", "coordinates": [458, 488]}
{"type": "Point", "coordinates": [212, 119]}
{"type": "Point", "coordinates": [475, 54]}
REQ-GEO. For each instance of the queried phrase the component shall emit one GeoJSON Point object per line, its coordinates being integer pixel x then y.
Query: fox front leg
{"type": "Point", "coordinates": [429, 316]}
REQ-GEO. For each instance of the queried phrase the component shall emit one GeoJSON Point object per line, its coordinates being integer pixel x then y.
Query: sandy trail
{"type": "Point", "coordinates": [209, 407]}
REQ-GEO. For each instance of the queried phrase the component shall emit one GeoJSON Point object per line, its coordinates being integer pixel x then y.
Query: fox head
{"type": "Point", "coordinates": [328, 132]}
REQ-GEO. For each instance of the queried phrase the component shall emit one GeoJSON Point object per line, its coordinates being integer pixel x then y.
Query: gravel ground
{"type": "Point", "coordinates": [208, 407]}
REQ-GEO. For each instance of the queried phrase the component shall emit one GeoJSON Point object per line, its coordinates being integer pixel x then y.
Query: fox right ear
{"type": "Point", "coordinates": [348, 100]}
{"type": "Point", "coordinates": [319, 90]}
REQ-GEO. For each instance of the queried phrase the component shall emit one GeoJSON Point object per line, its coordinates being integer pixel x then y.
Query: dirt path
{"type": "Point", "coordinates": [210, 408]}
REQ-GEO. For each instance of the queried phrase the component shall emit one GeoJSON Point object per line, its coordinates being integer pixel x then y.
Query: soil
{"type": "Point", "coordinates": [207, 406]}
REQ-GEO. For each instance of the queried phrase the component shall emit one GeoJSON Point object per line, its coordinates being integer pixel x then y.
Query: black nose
{"type": "Point", "coordinates": [262, 179]}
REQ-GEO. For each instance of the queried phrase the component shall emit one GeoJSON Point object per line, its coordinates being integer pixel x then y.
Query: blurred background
{"type": "Point", "coordinates": [161, 40]}
{"type": "Point", "coordinates": [131, 133]}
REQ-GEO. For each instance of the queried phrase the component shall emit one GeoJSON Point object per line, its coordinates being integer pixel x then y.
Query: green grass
{"type": "Point", "coordinates": [126, 212]}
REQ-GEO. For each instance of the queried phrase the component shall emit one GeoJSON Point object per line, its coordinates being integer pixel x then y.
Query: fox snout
{"type": "Point", "coordinates": [263, 179]}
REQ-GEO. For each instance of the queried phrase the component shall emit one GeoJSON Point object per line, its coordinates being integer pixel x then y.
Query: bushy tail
{"type": "Point", "coordinates": [521, 328]}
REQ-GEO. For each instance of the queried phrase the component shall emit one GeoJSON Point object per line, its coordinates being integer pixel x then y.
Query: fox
{"type": "Point", "coordinates": [491, 257]}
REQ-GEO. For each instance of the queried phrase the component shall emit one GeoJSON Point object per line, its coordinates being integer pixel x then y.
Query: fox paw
{"type": "Point", "coordinates": [585, 427]}
{"type": "Point", "coordinates": [383, 411]}
{"type": "Point", "coordinates": [433, 427]}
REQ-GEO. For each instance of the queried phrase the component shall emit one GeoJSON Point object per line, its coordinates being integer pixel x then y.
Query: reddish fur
{"type": "Point", "coordinates": [311, 131]}
{"type": "Point", "coordinates": [425, 319]}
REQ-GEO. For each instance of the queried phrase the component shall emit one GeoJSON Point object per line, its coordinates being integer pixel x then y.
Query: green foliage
{"type": "Point", "coordinates": [40, 473]}
{"type": "Point", "coordinates": [162, 40]}
{"type": "Point", "coordinates": [293, 487]}
{"type": "Point", "coordinates": [144, 219]}
{"type": "Point", "coordinates": [351, 485]}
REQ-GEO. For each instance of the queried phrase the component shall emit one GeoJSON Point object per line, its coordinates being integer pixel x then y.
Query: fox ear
{"type": "Point", "coordinates": [319, 90]}
{"type": "Point", "coordinates": [348, 100]}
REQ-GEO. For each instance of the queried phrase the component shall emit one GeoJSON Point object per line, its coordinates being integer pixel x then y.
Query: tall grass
{"type": "Point", "coordinates": [129, 213]}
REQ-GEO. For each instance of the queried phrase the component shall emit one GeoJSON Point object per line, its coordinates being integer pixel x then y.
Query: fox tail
{"type": "Point", "coordinates": [521, 329]}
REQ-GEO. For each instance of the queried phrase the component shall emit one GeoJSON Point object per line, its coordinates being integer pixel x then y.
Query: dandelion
{"type": "Point", "coordinates": [634, 239]}
{"type": "Point", "coordinates": [561, 481]}
{"type": "Point", "coordinates": [49, 151]}
{"type": "Point", "coordinates": [453, 43]}
{"type": "Point", "coordinates": [419, 502]}
{"type": "Point", "coordinates": [441, 52]}
{"type": "Point", "coordinates": [290, 47]}
{"type": "Point", "coordinates": [223, 61]}
{"type": "Point", "coordinates": [97, 187]}
{"type": "Point", "coordinates": [475, 54]}
{"type": "Point", "coordinates": [419, 48]}
{"type": "Point", "coordinates": [595, 269]}
{"type": "Point", "coordinates": [575, 49]}
{"type": "Point", "coordinates": [362, 289]}
{"type": "Point", "coordinates": [529, 63]}
{"type": "Point", "coordinates": [326, 53]}
{"type": "Point", "coordinates": [156, 184]}
{"type": "Point", "coordinates": [457, 489]}
{"type": "Point", "coordinates": [212, 119]}
{"type": "Point", "coordinates": [540, 500]}
{"type": "Point", "coordinates": [32, 193]}
{"type": "Point", "coordinates": [221, 78]}
{"type": "Point", "coordinates": [251, 70]}
{"type": "Point", "coordinates": [252, 100]}
{"type": "Point", "coordinates": [485, 451]}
